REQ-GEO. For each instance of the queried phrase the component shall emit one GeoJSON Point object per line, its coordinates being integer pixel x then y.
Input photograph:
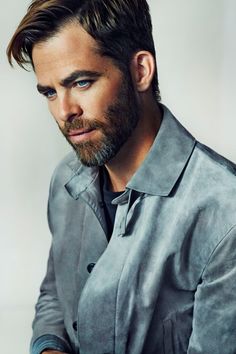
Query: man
{"type": "Point", "coordinates": [142, 215]}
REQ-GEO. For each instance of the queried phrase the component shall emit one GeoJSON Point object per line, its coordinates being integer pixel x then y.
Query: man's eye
{"type": "Point", "coordinates": [83, 83]}
{"type": "Point", "coordinates": [49, 94]}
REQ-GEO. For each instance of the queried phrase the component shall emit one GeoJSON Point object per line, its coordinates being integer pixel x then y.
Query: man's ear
{"type": "Point", "coordinates": [142, 70]}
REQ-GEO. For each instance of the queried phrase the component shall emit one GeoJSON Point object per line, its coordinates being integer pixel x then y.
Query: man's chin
{"type": "Point", "coordinates": [88, 159]}
{"type": "Point", "coordinates": [95, 158]}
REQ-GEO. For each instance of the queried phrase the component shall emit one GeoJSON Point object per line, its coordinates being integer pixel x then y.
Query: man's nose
{"type": "Point", "coordinates": [69, 108]}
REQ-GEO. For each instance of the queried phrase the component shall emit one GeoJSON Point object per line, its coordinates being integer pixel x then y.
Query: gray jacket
{"type": "Point", "coordinates": [166, 281]}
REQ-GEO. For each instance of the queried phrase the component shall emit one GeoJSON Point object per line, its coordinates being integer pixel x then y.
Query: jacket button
{"type": "Point", "coordinates": [90, 267]}
{"type": "Point", "coordinates": [74, 325]}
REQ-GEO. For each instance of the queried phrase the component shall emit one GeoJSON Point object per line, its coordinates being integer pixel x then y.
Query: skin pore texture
{"type": "Point", "coordinates": [107, 116]}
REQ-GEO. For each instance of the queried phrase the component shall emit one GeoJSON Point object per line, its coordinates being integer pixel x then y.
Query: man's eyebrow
{"type": "Point", "coordinates": [75, 75]}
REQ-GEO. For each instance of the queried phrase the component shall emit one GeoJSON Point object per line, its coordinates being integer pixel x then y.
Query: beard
{"type": "Point", "coordinates": [116, 126]}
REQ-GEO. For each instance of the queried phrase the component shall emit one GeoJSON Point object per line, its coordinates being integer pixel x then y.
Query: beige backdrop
{"type": "Point", "coordinates": [196, 53]}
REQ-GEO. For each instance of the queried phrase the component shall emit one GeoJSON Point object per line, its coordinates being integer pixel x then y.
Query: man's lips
{"type": "Point", "coordinates": [80, 135]}
{"type": "Point", "coordinates": [79, 131]}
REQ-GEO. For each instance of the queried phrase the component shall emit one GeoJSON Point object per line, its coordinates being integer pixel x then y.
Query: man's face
{"type": "Point", "coordinates": [93, 103]}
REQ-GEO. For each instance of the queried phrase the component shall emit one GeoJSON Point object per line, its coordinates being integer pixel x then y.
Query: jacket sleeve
{"type": "Point", "coordinates": [48, 321]}
{"type": "Point", "coordinates": [214, 317]}
{"type": "Point", "coordinates": [47, 341]}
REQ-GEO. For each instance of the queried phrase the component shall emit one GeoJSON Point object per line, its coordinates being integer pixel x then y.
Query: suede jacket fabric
{"type": "Point", "coordinates": [166, 281]}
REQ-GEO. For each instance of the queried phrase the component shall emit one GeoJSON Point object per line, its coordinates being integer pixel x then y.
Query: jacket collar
{"type": "Point", "coordinates": [166, 159]}
{"type": "Point", "coordinates": [161, 168]}
{"type": "Point", "coordinates": [82, 178]}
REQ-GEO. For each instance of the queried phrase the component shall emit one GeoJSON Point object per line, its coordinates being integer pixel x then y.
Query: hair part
{"type": "Point", "coordinates": [120, 28]}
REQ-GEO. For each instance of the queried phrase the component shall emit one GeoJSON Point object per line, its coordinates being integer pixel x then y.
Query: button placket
{"type": "Point", "coordinates": [121, 215]}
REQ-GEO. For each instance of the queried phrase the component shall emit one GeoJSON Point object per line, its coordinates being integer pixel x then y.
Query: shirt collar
{"type": "Point", "coordinates": [161, 168]}
{"type": "Point", "coordinates": [166, 159]}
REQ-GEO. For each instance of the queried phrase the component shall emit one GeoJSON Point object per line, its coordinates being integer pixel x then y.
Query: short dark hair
{"type": "Point", "coordinates": [120, 28]}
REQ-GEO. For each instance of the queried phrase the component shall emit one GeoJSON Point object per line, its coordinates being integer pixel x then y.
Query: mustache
{"type": "Point", "coordinates": [81, 123]}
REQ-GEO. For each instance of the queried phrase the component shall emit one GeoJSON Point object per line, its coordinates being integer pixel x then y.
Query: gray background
{"type": "Point", "coordinates": [196, 58]}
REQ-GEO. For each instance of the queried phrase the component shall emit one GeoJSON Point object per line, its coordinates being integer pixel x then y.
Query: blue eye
{"type": "Point", "coordinates": [49, 94]}
{"type": "Point", "coordinates": [83, 83]}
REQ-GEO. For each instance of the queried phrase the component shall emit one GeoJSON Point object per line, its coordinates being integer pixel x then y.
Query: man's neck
{"type": "Point", "coordinates": [123, 166]}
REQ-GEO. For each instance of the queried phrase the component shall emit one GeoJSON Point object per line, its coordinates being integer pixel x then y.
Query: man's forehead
{"type": "Point", "coordinates": [58, 59]}
{"type": "Point", "coordinates": [70, 43]}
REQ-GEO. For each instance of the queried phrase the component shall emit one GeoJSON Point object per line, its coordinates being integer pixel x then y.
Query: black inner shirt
{"type": "Point", "coordinates": [107, 197]}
